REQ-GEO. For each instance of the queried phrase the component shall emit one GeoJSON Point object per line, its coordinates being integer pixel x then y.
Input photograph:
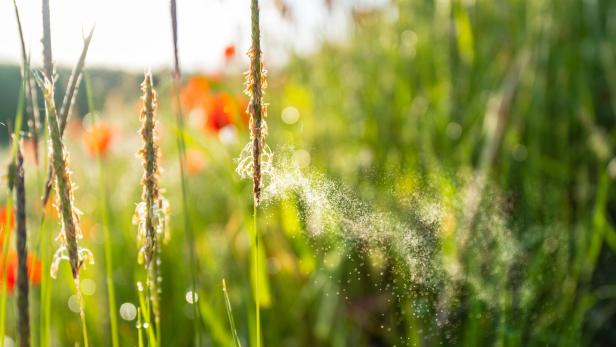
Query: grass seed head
{"type": "Point", "coordinates": [70, 234]}
{"type": "Point", "coordinates": [151, 214]}
{"type": "Point", "coordinates": [256, 82]}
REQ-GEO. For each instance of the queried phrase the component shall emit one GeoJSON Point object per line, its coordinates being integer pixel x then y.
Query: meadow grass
{"type": "Point", "coordinates": [32, 103]}
{"type": "Point", "coordinates": [67, 104]}
{"type": "Point", "coordinates": [23, 304]}
{"type": "Point", "coordinates": [104, 213]}
{"type": "Point", "coordinates": [181, 146]}
{"type": "Point", "coordinates": [70, 233]}
{"type": "Point", "coordinates": [257, 111]}
{"type": "Point", "coordinates": [6, 232]}
{"type": "Point", "coordinates": [449, 181]}
{"type": "Point", "coordinates": [236, 339]}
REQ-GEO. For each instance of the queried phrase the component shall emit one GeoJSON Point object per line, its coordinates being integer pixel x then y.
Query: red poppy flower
{"type": "Point", "coordinates": [97, 139]}
{"type": "Point", "coordinates": [34, 270]}
{"type": "Point", "coordinates": [218, 111]}
{"type": "Point", "coordinates": [230, 52]}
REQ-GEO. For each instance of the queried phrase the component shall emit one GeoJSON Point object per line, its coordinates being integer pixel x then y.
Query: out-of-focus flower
{"type": "Point", "coordinates": [218, 111]}
{"type": "Point", "coordinates": [34, 270]}
{"type": "Point", "coordinates": [4, 225]}
{"type": "Point", "coordinates": [211, 110]}
{"type": "Point", "coordinates": [195, 93]}
{"type": "Point", "coordinates": [230, 52]}
{"type": "Point", "coordinates": [194, 161]}
{"type": "Point", "coordinates": [97, 139]}
{"type": "Point", "coordinates": [7, 220]}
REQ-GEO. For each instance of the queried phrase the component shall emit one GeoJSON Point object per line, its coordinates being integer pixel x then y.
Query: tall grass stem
{"type": "Point", "coordinates": [181, 144]}
{"type": "Point", "coordinates": [104, 213]}
{"type": "Point", "coordinates": [5, 234]}
{"type": "Point", "coordinates": [23, 305]}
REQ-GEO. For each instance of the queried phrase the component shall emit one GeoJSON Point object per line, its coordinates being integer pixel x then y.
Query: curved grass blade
{"type": "Point", "coordinates": [236, 339]}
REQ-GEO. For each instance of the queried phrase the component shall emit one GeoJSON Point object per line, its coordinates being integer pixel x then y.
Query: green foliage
{"type": "Point", "coordinates": [475, 137]}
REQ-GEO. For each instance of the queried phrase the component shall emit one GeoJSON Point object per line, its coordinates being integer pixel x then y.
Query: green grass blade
{"type": "Point", "coordinates": [236, 339]}
{"type": "Point", "coordinates": [104, 215]}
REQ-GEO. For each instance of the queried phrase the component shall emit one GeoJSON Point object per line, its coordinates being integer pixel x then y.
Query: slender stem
{"type": "Point", "coordinates": [107, 238]}
{"type": "Point", "coordinates": [139, 327]}
{"type": "Point", "coordinates": [5, 234]}
{"type": "Point", "coordinates": [257, 269]}
{"type": "Point", "coordinates": [47, 55]}
{"type": "Point", "coordinates": [42, 242]}
{"type": "Point", "coordinates": [6, 239]}
{"type": "Point", "coordinates": [23, 302]}
{"type": "Point", "coordinates": [236, 339]}
{"type": "Point", "coordinates": [32, 105]}
{"type": "Point", "coordinates": [181, 144]}
{"type": "Point", "coordinates": [255, 83]}
{"type": "Point", "coordinates": [82, 314]}
{"type": "Point", "coordinates": [190, 239]}
{"type": "Point", "coordinates": [44, 249]}
{"type": "Point", "coordinates": [45, 232]}
{"type": "Point", "coordinates": [145, 309]}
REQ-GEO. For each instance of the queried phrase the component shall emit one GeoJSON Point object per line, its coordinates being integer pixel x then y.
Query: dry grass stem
{"type": "Point", "coordinates": [23, 319]}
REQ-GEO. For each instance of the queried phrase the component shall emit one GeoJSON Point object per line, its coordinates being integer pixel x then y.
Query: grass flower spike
{"type": "Point", "coordinates": [151, 214]}
{"type": "Point", "coordinates": [70, 234]}
{"type": "Point", "coordinates": [256, 151]}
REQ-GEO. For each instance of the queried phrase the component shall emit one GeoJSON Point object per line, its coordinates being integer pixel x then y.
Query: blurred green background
{"type": "Point", "coordinates": [500, 113]}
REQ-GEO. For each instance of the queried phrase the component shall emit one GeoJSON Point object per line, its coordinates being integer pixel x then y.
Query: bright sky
{"type": "Point", "coordinates": [136, 34]}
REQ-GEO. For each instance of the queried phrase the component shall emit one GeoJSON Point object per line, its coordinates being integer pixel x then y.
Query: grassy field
{"type": "Point", "coordinates": [443, 176]}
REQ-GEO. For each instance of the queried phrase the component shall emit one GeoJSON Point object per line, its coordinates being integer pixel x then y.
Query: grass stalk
{"type": "Point", "coordinates": [5, 235]}
{"type": "Point", "coordinates": [181, 144]}
{"type": "Point", "coordinates": [236, 339]}
{"type": "Point", "coordinates": [6, 238]}
{"type": "Point", "coordinates": [257, 272]}
{"type": "Point", "coordinates": [139, 328]}
{"type": "Point", "coordinates": [46, 240]}
{"type": "Point", "coordinates": [257, 110]}
{"type": "Point", "coordinates": [32, 104]}
{"type": "Point", "coordinates": [104, 213]}
{"type": "Point", "coordinates": [151, 214]}
{"type": "Point", "coordinates": [44, 245]}
{"type": "Point", "coordinates": [45, 293]}
{"type": "Point", "coordinates": [23, 304]}
{"type": "Point", "coordinates": [47, 53]}
{"type": "Point", "coordinates": [70, 232]}
{"type": "Point", "coordinates": [82, 314]}
{"type": "Point", "coordinates": [146, 323]}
